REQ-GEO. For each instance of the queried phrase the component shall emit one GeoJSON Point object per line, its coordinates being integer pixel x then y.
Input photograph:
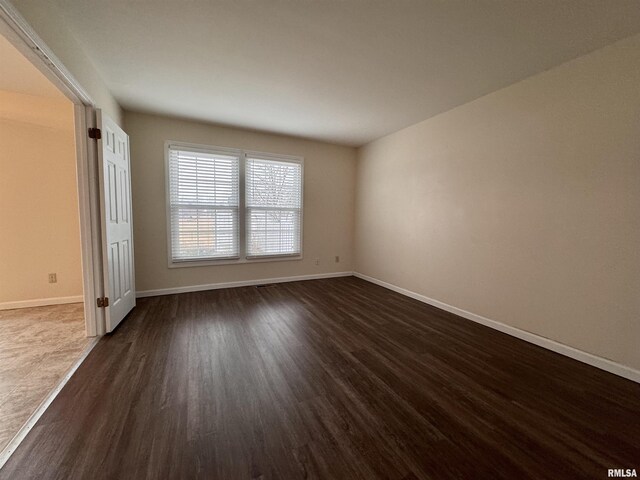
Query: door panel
{"type": "Point", "coordinates": [115, 185]}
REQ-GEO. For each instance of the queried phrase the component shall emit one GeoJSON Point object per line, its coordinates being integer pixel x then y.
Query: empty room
{"type": "Point", "coordinates": [42, 321]}
{"type": "Point", "coordinates": [328, 239]}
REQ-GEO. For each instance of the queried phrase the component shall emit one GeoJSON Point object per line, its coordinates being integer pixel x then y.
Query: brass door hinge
{"type": "Point", "coordinates": [103, 302]}
{"type": "Point", "coordinates": [95, 133]}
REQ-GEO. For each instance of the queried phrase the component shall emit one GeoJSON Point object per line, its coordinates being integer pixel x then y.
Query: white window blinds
{"type": "Point", "coordinates": [204, 204]}
{"type": "Point", "coordinates": [273, 207]}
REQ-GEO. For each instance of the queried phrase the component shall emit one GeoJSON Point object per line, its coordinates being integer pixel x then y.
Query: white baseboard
{"type": "Point", "coordinates": [588, 358]}
{"type": "Point", "coordinates": [13, 444]}
{"type": "Point", "coordinates": [243, 283]}
{"type": "Point", "coordinates": [41, 302]}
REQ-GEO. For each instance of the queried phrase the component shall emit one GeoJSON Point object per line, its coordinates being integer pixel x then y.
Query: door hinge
{"type": "Point", "coordinates": [95, 133]}
{"type": "Point", "coordinates": [103, 302]}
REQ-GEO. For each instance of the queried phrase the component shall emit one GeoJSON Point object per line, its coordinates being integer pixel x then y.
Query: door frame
{"type": "Point", "coordinates": [15, 28]}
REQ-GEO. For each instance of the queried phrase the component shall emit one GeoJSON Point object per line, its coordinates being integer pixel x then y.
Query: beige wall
{"type": "Point", "coordinates": [39, 222]}
{"type": "Point", "coordinates": [522, 206]}
{"type": "Point", "coordinates": [48, 22]}
{"type": "Point", "coordinates": [328, 202]}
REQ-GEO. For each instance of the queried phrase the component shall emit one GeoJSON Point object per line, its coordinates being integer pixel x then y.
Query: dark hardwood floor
{"type": "Point", "coordinates": [329, 379]}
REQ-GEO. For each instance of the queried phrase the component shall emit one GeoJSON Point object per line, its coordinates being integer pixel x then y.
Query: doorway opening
{"type": "Point", "coordinates": [96, 157]}
{"type": "Point", "coordinates": [43, 321]}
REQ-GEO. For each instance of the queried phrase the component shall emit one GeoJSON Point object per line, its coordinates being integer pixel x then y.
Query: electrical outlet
{"type": "Point", "coordinates": [317, 261]}
{"type": "Point", "coordinates": [53, 278]}
{"type": "Point", "coordinates": [337, 258]}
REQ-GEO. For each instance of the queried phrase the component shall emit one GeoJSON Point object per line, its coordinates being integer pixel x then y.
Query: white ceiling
{"type": "Point", "coordinates": [344, 71]}
{"type": "Point", "coordinates": [18, 75]}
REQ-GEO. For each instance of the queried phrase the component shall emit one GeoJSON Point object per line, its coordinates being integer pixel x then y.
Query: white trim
{"type": "Point", "coordinates": [41, 302]}
{"type": "Point", "coordinates": [241, 283]}
{"type": "Point", "coordinates": [29, 43]}
{"type": "Point", "coordinates": [13, 444]}
{"type": "Point", "coordinates": [281, 157]}
{"type": "Point", "coordinates": [86, 216]}
{"type": "Point", "coordinates": [93, 265]}
{"type": "Point", "coordinates": [584, 357]}
{"type": "Point", "coordinates": [233, 261]}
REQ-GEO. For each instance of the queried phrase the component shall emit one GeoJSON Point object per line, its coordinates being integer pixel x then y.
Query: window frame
{"type": "Point", "coordinates": [242, 208]}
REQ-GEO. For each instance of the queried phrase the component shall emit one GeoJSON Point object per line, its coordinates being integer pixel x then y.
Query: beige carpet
{"type": "Point", "coordinates": [38, 346]}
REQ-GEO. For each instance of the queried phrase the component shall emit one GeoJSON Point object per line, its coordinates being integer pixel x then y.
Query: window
{"type": "Point", "coordinates": [232, 206]}
{"type": "Point", "coordinates": [204, 204]}
{"type": "Point", "coordinates": [274, 201]}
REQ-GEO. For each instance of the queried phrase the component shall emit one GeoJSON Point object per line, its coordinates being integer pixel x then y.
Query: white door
{"type": "Point", "coordinates": [117, 230]}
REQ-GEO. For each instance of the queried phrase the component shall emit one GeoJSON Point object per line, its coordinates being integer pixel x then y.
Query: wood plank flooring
{"type": "Point", "coordinates": [38, 346]}
{"type": "Point", "coordinates": [326, 379]}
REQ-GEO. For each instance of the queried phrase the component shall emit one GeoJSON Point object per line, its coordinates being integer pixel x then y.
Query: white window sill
{"type": "Point", "coordinates": [234, 261]}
